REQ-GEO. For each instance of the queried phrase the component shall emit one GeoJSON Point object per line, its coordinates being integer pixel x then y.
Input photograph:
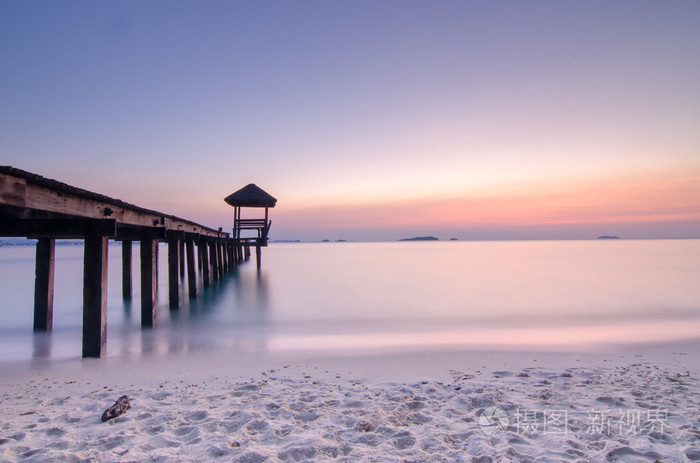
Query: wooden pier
{"type": "Point", "coordinates": [32, 206]}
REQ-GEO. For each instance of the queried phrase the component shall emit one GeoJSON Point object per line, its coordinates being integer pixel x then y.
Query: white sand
{"type": "Point", "coordinates": [640, 404]}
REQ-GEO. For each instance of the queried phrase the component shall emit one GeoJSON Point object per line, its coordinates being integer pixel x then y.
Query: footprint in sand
{"type": "Point", "coordinates": [250, 457]}
{"type": "Point", "coordinates": [625, 453]}
{"type": "Point", "coordinates": [415, 405]}
{"type": "Point", "coordinates": [403, 440]}
{"type": "Point", "coordinates": [249, 387]}
{"type": "Point", "coordinates": [60, 401]}
{"type": "Point", "coordinates": [162, 442]}
{"type": "Point", "coordinates": [199, 415]}
{"type": "Point", "coordinates": [257, 426]}
{"type": "Point", "coordinates": [271, 407]}
{"type": "Point", "coordinates": [161, 395]}
{"type": "Point", "coordinates": [189, 432]}
{"type": "Point", "coordinates": [354, 404]}
{"type": "Point", "coordinates": [69, 419]}
{"type": "Point", "coordinates": [55, 432]}
{"type": "Point", "coordinates": [17, 436]}
{"type": "Point", "coordinates": [110, 443]}
{"type": "Point", "coordinates": [307, 416]}
{"type": "Point", "coordinates": [155, 430]}
{"type": "Point", "coordinates": [298, 406]}
{"type": "Point", "coordinates": [216, 452]}
{"type": "Point", "coordinates": [297, 453]}
{"type": "Point", "coordinates": [612, 402]}
{"type": "Point", "coordinates": [30, 453]}
{"type": "Point", "coordinates": [60, 445]}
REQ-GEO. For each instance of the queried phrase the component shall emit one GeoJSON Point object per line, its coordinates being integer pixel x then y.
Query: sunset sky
{"type": "Point", "coordinates": [367, 120]}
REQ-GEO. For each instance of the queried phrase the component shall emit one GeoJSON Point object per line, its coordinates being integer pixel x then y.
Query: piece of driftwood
{"type": "Point", "coordinates": [120, 407]}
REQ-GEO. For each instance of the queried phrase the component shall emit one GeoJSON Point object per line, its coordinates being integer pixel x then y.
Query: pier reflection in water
{"type": "Point", "coordinates": [232, 313]}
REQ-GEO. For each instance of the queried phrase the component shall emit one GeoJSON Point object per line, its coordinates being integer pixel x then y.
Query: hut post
{"type": "Point", "coordinates": [126, 270]}
{"type": "Point", "coordinates": [43, 284]}
{"type": "Point", "coordinates": [258, 256]}
{"type": "Point", "coordinates": [95, 295]}
{"type": "Point", "coordinates": [149, 281]}
{"type": "Point", "coordinates": [191, 269]}
{"type": "Point", "coordinates": [237, 218]}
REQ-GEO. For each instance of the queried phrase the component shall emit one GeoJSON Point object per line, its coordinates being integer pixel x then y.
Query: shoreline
{"type": "Point", "coordinates": [440, 405]}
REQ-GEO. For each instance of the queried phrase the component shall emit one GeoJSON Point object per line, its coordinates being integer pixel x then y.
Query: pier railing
{"type": "Point", "coordinates": [32, 206]}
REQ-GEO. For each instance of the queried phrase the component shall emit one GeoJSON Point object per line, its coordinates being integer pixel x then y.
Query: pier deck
{"type": "Point", "coordinates": [32, 206]}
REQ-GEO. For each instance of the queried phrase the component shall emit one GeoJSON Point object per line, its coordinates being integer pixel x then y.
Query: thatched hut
{"type": "Point", "coordinates": [251, 196]}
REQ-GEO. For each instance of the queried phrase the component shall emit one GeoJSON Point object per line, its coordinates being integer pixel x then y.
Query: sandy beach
{"type": "Point", "coordinates": [629, 405]}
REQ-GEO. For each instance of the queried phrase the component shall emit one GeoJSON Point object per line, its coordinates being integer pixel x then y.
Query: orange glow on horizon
{"type": "Point", "coordinates": [653, 199]}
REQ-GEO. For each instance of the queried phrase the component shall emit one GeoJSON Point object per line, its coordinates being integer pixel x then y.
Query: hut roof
{"type": "Point", "coordinates": [250, 195]}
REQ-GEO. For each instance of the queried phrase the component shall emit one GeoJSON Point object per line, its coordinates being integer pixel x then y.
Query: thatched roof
{"type": "Point", "coordinates": [250, 195]}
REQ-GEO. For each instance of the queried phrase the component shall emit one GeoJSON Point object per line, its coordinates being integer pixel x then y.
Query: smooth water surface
{"type": "Point", "coordinates": [381, 296]}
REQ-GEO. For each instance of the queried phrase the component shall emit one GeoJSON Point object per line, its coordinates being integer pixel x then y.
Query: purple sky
{"type": "Point", "coordinates": [368, 120]}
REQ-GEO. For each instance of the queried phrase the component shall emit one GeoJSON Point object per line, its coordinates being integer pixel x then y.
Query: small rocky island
{"type": "Point", "coordinates": [608, 237]}
{"type": "Point", "coordinates": [421, 238]}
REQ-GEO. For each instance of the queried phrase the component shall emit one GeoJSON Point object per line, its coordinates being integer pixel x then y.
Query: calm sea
{"type": "Point", "coordinates": [340, 297]}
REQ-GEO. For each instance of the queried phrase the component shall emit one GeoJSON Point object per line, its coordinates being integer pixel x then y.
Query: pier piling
{"type": "Point", "coordinates": [204, 253]}
{"type": "Point", "coordinates": [95, 295]}
{"type": "Point", "coordinates": [181, 251]}
{"type": "Point", "coordinates": [174, 269]}
{"type": "Point", "coordinates": [149, 281]}
{"type": "Point", "coordinates": [126, 270]}
{"type": "Point", "coordinates": [43, 284]}
{"type": "Point", "coordinates": [213, 260]}
{"type": "Point", "coordinates": [191, 269]}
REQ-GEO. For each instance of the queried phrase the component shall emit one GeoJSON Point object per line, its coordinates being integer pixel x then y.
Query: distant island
{"type": "Point", "coordinates": [421, 238]}
{"type": "Point", "coordinates": [608, 237]}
